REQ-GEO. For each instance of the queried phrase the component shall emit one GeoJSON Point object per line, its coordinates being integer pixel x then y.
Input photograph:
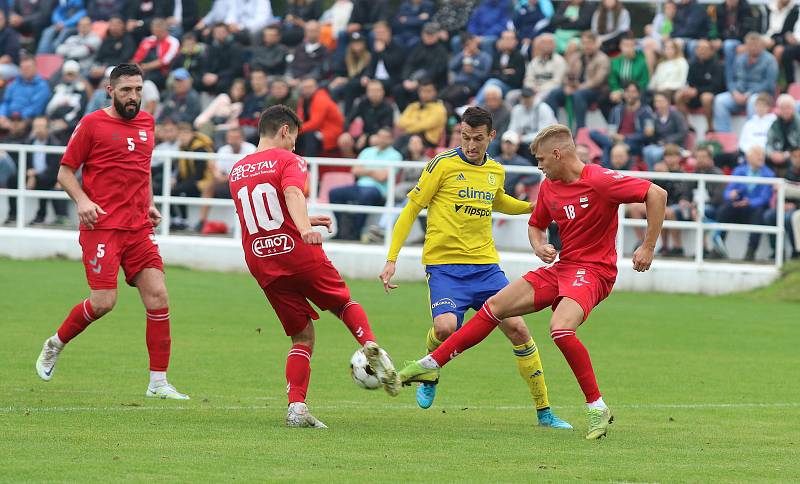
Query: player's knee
{"type": "Point", "coordinates": [516, 331]}
{"type": "Point", "coordinates": [444, 325]}
{"type": "Point", "coordinates": [102, 304]}
{"type": "Point", "coordinates": [560, 321]}
{"type": "Point", "coordinates": [496, 307]}
{"type": "Point", "coordinates": [155, 298]}
{"type": "Point", "coordinates": [442, 332]}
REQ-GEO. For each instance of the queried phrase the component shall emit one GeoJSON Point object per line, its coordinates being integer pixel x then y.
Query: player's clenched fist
{"type": "Point", "coordinates": [547, 253]}
{"type": "Point", "coordinates": [89, 212]}
{"type": "Point", "coordinates": [321, 221]}
{"type": "Point", "coordinates": [642, 258]}
{"type": "Point", "coordinates": [154, 216]}
{"type": "Point", "coordinates": [387, 274]}
{"type": "Point", "coordinates": [311, 237]}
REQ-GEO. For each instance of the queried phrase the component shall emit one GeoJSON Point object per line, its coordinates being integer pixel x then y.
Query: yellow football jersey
{"type": "Point", "coordinates": [459, 197]}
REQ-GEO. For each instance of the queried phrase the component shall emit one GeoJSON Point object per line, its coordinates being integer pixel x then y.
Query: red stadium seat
{"type": "Point", "coordinates": [582, 137]}
{"type": "Point", "coordinates": [794, 91]}
{"type": "Point", "coordinates": [331, 180]}
{"type": "Point", "coordinates": [728, 141]}
{"type": "Point", "coordinates": [48, 64]}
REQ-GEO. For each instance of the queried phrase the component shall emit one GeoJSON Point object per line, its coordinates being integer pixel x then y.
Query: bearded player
{"type": "Point", "coordinates": [113, 147]}
{"type": "Point", "coordinates": [461, 188]}
{"type": "Point", "coordinates": [285, 256]}
{"type": "Point", "coordinates": [583, 200]}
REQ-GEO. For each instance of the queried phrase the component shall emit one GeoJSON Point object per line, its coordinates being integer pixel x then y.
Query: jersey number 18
{"type": "Point", "coordinates": [264, 195]}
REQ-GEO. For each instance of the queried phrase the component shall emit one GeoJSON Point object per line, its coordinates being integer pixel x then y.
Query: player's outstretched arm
{"type": "Point", "coordinates": [543, 250]}
{"type": "Point", "coordinates": [296, 203]}
{"type": "Point", "coordinates": [655, 203]}
{"type": "Point", "coordinates": [509, 205]}
{"type": "Point", "coordinates": [88, 211]}
{"type": "Point", "coordinates": [399, 235]}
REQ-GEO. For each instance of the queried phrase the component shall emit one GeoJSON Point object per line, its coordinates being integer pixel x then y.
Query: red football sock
{"type": "Point", "coordinates": [158, 340]}
{"type": "Point", "coordinates": [78, 319]}
{"type": "Point", "coordinates": [472, 333]}
{"type": "Point", "coordinates": [298, 372]}
{"type": "Point", "coordinates": [579, 361]}
{"type": "Point", "coordinates": [354, 317]}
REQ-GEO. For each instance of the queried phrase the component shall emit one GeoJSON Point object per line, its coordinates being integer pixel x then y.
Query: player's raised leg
{"type": "Point", "coordinates": [529, 364]}
{"type": "Point", "coordinates": [153, 291]}
{"type": "Point", "coordinates": [100, 303]}
{"type": "Point", "coordinates": [298, 375]}
{"type": "Point", "coordinates": [566, 319]}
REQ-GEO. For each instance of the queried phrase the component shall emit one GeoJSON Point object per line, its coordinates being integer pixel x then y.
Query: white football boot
{"type": "Point", "coordinates": [298, 416]}
{"type": "Point", "coordinates": [46, 362]}
{"type": "Point", "coordinates": [165, 392]}
{"type": "Point", "coordinates": [384, 368]}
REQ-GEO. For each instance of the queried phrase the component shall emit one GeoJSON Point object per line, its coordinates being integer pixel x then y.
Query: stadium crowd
{"type": "Point", "coordinates": [381, 80]}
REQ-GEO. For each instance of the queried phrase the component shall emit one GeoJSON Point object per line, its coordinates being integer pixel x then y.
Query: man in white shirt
{"type": "Point", "coordinates": [547, 68]}
{"type": "Point", "coordinates": [754, 132]}
{"type": "Point", "coordinates": [529, 117]}
{"type": "Point", "coordinates": [245, 18]}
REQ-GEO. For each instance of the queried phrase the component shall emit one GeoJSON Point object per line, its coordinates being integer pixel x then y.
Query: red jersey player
{"type": "Point", "coordinates": [285, 256]}
{"type": "Point", "coordinates": [113, 147]}
{"type": "Point", "coordinates": [583, 200]}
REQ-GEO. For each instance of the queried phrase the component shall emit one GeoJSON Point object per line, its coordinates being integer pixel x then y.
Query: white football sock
{"type": "Point", "coordinates": [57, 341]}
{"type": "Point", "coordinates": [158, 378]}
{"type": "Point", "coordinates": [429, 362]}
{"type": "Point", "coordinates": [598, 404]}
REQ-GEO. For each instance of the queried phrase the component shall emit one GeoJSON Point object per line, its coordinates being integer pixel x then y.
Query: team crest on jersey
{"type": "Point", "coordinates": [143, 135]}
{"type": "Point", "coordinates": [584, 201]}
{"type": "Point", "coordinates": [492, 179]}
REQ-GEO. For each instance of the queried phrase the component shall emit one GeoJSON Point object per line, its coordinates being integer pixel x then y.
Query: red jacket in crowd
{"type": "Point", "coordinates": [324, 117]}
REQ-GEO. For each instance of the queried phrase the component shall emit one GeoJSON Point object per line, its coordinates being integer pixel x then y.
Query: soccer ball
{"type": "Point", "coordinates": [362, 373]}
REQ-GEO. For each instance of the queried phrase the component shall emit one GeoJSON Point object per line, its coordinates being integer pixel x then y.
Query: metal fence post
{"type": "Point", "coordinates": [22, 175]}
{"type": "Point", "coordinates": [390, 189]}
{"type": "Point", "coordinates": [699, 246]}
{"type": "Point", "coordinates": [166, 193]}
{"type": "Point", "coordinates": [781, 215]}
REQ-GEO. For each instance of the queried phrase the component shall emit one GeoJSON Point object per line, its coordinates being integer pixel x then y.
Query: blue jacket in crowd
{"type": "Point", "coordinates": [643, 115]}
{"type": "Point", "coordinates": [489, 18]}
{"type": "Point", "coordinates": [761, 76]}
{"type": "Point", "coordinates": [411, 12]}
{"type": "Point", "coordinates": [68, 12]}
{"type": "Point", "coordinates": [28, 98]}
{"type": "Point", "coordinates": [759, 195]}
{"type": "Point", "coordinates": [527, 20]}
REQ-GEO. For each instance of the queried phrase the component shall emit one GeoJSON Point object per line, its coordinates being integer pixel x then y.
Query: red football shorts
{"type": "Point", "coordinates": [583, 285]}
{"type": "Point", "coordinates": [289, 296]}
{"type": "Point", "coordinates": [105, 250]}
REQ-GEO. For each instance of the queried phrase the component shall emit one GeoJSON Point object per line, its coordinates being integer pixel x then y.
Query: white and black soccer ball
{"type": "Point", "coordinates": [362, 373]}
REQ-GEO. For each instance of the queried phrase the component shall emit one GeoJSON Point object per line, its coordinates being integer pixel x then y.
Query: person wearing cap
{"type": "Point", "coordinates": [516, 183]}
{"type": "Point", "coordinates": [117, 47]}
{"type": "Point", "coordinates": [182, 102]}
{"type": "Point", "coordinates": [222, 61]}
{"type": "Point", "coordinates": [410, 20]}
{"type": "Point", "coordinates": [27, 94]}
{"type": "Point", "coordinates": [530, 116]}
{"type": "Point", "coordinates": [83, 45]}
{"type": "Point", "coordinates": [427, 60]}
{"type": "Point", "coordinates": [68, 102]}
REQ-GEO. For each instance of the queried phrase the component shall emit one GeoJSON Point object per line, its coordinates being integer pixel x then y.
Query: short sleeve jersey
{"type": "Point", "coordinates": [586, 213]}
{"type": "Point", "coordinates": [114, 157]}
{"type": "Point", "coordinates": [273, 247]}
{"type": "Point", "coordinates": [459, 197]}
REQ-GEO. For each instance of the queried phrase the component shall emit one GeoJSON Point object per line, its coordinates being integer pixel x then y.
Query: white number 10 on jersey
{"type": "Point", "coordinates": [263, 196]}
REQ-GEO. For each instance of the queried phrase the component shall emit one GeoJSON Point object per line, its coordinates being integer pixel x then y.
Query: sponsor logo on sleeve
{"type": "Point", "coordinates": [272, 245]}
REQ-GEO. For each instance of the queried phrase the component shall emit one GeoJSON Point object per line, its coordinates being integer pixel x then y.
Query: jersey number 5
{"type": "Point", "coordinates": [263, 196]}
{"type": "Point", "coordinates": [131, 145]}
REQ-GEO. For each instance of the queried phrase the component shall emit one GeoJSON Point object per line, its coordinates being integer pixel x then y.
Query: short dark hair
{"type": "Point", "coordinates": [632, 83]}
{"type": "Point", "coordinates": [426, 81]}
{"type": "Point", "coordinates": [477, 116]}
{"type": "Point", "coordinates": [125, 70]}
{"type": "Point", "coordinates": [274, 117]}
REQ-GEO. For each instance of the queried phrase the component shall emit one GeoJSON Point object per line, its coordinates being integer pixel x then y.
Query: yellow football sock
{"type": "Point", "coordinates": [431, 342]}
{"type": "Point", "coordinates": [530, 369]}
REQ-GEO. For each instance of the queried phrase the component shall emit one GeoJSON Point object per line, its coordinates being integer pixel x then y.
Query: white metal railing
{"type": "Point", "coordinates": [166, 200]}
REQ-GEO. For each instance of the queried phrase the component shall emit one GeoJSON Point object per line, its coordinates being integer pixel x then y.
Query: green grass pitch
{"type": "Point", "coordinates": [704, 389]}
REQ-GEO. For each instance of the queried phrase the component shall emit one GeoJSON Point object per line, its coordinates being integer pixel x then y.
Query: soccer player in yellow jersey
{"type": "Point", "coordinates": [461, 188]}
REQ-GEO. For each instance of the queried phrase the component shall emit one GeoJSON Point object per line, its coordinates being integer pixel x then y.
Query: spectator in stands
{"type": "Point", "coordinates": [508, 66]}
{"type": "Point", "coordinates": [691, 22]}
{"type": "Point", "coordinates": [547, 69]}
{"type": "Point", "coordinates": [583, 153]}
{"type": "Point", "coordinates": [192, 175]}
{"type": "Point", "coordinates": [790, 209]}
{"type": "Point", "coordinates": [790, 53]}
{"type": "Point", "coordinates": [705, 80]}
{"type": "Point", "coordinates": [190, 56]}
{"type": "Point", "coordinates": [670, 128]}
{"type": "Point", "coordinates": [167, 140]}
{"type": "Point", "coordinates": [487, 22]}
{"type": "Point", "coordinates": [657, 33]}
{"type": "Point", "coordinates": [501, 114]}
{"type": "Point", "coordinates": [298, 13]}
{"type": "Point", "coordinates": [629, 66]}
{"type": "Point", "coordinates": [374, 111]}
{"type": "Point", "coordinates": [672, 72]}
{"type": "Point", "coordinates": [244, 18]}
{"type": "Point", "coordinates": [747, 202]}
{"type": "Point", "coordinates": [410, 19]}
{"type": "Point", "coordinates": [182, 102]}
{"type": "Point", "coordinates": [347, 75]}
{"type": "Point", "coordinates": [17, 133]}
{"type": "Point", "coordinates": [254, 103]}
{"type": "Point", "coordinates": [426, 117]}
{"type": "Point", "coordinates": [30, 17]}
{"type": "Point", "coordinates": [271, 57]}
{"type": "Point", "coordinates": [235, 149]}
{"type": "Point", "coordinates": [103, 10]}
{"type": "Point", "coordinates": [117, 47]}
{"type": "Point", "coordinates": [280, 93]}
{"type": "Point", "coordinates": [469, 70]}
{"type": "Point", "coordinates": [185, 15]}
{"type": "Point", "coordinates": [572, 18]}
{"type": "Point", "coordinates": [756, 72]}
{"type": "Point", "coordinates": [142, 13]}
{"type": "Point", "coordinates": [62, 24]}
{"type": "Point", "coordinates": [516, 184]}
{"type": "Point", "coordinates": [679, 201]}
{"type": "Point", "coordinates": [370, 187]}
{"type": "Point", "coordinates": [27, 95]}
{"type": "Point", "coordinates": [311, 58]}
{"type": "Point", "coordinates": [386, 64]}
{"type": "Point", "coordinates": [223, 113]}
{"type": "Point", "coordinates": [530, 20]}
{"type": "Point", "coordinates": [619, 157]}
{"type": "Point", "coordinates": [221, 63]}
{"type": "Point", "coordinates": [68, 101]}
{"type": "Point", "coordinates": [424, 62]}
{"type": "Point", "coordinates": [83, 45]}
{"type": "Point", "coordinates": [755, 129]}
{"type": "Point", "coordinates": [783, 136]}
{"type": "Point", "coordinates": [734, 20]}
{"type": "Point", "coordinates": [610, 22]}
{"type": "Point", "coordinates": [335, 19]}
{"type": "Point", "coordinates": [9, 50]}
{"type": "Point", "coordinates": [631, 122]}
{"type": "Point", "coordinates": [528, 117]}
{"type": "Point", "coordinates": [587, 79]}
{"type": "Point", "coordinates": [43, 171]}
{"type": "Point", "coordinates": [323, 123]}
{"type": "Point", "coordinates": [783, 16]}
{"type": "Point", "coordinates": [452, 16]}
{"type": "Point", "coordinates": [715, 196]}
{"type": "Point", "coordinates": [156, 53]}
{"type": "Point", "coordinates": [362, 17]}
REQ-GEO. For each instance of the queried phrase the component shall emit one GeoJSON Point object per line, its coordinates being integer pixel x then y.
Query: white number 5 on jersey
{"type": "Point", "coordinates": [131, 144]}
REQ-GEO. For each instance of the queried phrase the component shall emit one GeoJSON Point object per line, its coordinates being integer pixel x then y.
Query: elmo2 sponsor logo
{"type": "Point", "coordinates": [272, 245]}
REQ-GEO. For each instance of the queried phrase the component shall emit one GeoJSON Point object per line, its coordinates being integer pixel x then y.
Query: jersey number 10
{"type": "Point", "coordinates": [264, 195]}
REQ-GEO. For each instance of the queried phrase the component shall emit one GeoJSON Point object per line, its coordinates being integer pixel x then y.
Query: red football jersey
{"type": "Point", "coordinates": [115, 155]}
{"type": "Point", "coordinates": [586, 213]}
{"type": "Point", "coordinates": [272, 244]}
